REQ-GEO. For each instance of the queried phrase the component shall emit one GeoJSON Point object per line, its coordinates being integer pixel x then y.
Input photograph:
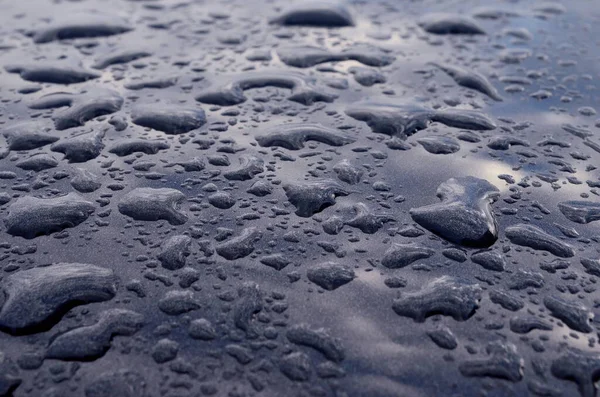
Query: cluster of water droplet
{"type": "Point", "coordinates": [239, 198]}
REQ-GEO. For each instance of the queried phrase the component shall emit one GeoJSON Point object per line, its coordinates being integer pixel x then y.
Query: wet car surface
{"type": "Point", "coordinates": [257, 198]}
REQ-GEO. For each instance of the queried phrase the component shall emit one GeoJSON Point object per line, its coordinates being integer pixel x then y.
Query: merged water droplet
{"type": "Point", "coordinates": [464, 216]}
